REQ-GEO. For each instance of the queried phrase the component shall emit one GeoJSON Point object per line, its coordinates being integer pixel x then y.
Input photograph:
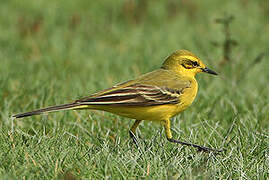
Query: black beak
{"type": "Point", "coordinates": [209, 71]}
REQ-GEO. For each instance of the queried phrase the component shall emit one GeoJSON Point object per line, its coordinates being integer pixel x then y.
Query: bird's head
{"type": "Point", "coordinates": [186, 63]}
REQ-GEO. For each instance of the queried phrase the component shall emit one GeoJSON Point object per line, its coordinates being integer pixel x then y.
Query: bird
{"type": "Point", "coordinates": [156, 96]}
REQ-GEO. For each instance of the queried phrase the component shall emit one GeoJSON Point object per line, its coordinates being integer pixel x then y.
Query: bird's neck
{"type": "Point", "coordinates": [180, 71]}
{"type": "Point", "coordinates": [186, 74]}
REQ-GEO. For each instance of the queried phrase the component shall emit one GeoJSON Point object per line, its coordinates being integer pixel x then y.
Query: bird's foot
{"type": "Point", "coordinates": [199, 148]}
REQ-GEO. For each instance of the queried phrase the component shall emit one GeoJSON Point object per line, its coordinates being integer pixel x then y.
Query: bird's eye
{"type": "Point", "coordinates": [189, 64]}
{"type": "Point", "coordinates": [195, 64]}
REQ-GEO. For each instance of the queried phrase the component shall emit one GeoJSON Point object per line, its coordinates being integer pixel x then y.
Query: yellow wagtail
{"type": "Point", "coordinates": [155, 96]}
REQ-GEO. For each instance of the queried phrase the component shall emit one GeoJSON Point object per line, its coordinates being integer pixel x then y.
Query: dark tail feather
{"type": "Point", "coordinates": [48, 109]}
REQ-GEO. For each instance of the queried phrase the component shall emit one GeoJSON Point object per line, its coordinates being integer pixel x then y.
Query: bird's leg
{"type": "Point", "coordinates": [168, 133]}
{"type": "Point", "coordinates": [132, 131]}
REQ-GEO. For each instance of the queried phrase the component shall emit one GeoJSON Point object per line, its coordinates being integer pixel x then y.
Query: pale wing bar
{"type": "Point", "coordinates": [135, 95]}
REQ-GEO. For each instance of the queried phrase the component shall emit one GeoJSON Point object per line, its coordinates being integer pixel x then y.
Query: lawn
{"type": "Point", "coordinates": [53, 52]}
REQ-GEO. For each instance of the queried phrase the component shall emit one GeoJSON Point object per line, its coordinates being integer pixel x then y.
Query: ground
{"type": "Point", "coordinates": [53, 52]}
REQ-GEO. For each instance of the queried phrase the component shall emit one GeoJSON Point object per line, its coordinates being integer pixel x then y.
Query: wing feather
{"type": "Point", "coordinates": [155, 88]}
{"type": "Point", "coordinates": [135, 95]}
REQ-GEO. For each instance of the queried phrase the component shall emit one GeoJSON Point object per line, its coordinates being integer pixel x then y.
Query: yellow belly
{"type": "Point", "coordinates": [152, 113]}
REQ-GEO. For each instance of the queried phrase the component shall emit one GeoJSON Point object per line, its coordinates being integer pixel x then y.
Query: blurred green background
{"type": "Point", "coordinates": [52, 52]}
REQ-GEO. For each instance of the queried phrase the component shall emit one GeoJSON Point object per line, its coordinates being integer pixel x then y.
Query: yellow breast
{"type": "Point", "coordinates": [188, 96]}
{"type": "Point", "coordinates": [158, 112]}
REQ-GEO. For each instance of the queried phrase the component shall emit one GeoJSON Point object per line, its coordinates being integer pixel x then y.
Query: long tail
{"type": "Point", "coordinates": [49, 109]}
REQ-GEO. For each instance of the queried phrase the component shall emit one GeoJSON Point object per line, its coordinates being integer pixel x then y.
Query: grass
{"type": "Point", "coordinates": [53, 52]}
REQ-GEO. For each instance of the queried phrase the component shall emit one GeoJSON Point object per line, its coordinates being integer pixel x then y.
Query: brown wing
{"type": "Point", "coordinates": [135, 95]}
{"type": "Point", "coordinates": [155, 88]}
